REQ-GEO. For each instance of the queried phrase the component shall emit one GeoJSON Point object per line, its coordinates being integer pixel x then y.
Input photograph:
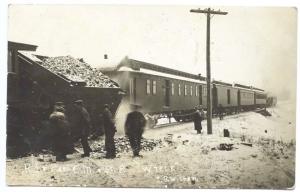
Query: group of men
{"type": "Point", "coordinates": [134, 128]}
{"type": "Point", "coordinates": [62, 144]}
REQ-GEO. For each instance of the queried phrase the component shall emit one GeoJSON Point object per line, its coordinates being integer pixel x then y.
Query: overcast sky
{"type": "Point", "coordinates": [253, 46]}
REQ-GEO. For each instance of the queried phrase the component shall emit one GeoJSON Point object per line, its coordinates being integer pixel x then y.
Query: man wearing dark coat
{"type": "Point", "coordinates": [61, 132]}
{"type": "Point", "coordinates": [134, 128]}
{"type": "Point", "coordinates": [83, 124]}
{"type": "Point", "coordinates": [197, 118]}
{"type": "Point", "coordinates": [109, 130]}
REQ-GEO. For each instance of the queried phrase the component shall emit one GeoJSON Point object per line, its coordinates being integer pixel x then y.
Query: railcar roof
{"type": "Point", "coordinates": [137, 65]}
{"type": "Point", "coordinates": [257, 89]}
{"type": "Point", "coordinates": [157, 73]}
{"type": "Point", "coordinates": [128, 64]}
{"type": "Point", "coordinates": [221, 83]}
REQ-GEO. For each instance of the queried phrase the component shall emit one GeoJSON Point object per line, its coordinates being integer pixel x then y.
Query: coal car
{"type": "Point", "coordinates": [34, 87]}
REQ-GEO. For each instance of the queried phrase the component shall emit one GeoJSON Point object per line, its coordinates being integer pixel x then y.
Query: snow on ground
{"type": "Point", "coordinates": [281, 126]}
{"type": "Point", "coordinates": [185, 160]}
{"type": "Point", "coordinates": [165, 120]}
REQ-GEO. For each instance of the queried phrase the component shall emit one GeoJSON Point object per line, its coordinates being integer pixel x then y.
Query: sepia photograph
{"type": "Point", "coordinates": [151, 96]}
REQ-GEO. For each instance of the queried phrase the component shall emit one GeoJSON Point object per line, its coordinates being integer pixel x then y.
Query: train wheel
{"type": "Point", "coordinates": [186, 119]}
{"type": "Point", "coordinates": [177, 119]}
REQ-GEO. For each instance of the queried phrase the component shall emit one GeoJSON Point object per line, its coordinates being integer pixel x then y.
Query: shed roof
{"type": "Point", "coordinates": [21, 46]}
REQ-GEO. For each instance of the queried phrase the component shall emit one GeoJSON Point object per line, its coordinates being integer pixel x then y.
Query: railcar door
{"type": "Point", "coordinates": [215, 97]}
{"type": "Point", "coordinates": [200, 94]}
{"type": "Point", "coordinates": [167, 95]}
{"type": "Point", "coordinates": [239, 98]}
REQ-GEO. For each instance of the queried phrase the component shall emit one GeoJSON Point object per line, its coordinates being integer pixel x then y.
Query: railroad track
{"type": "Point", "coordinates": [168, 124]}
{"type": "Point", "coordinates": [214, 117]}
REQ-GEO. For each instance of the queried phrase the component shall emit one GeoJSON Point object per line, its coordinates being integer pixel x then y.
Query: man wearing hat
{"type": "Point", "coordinates": [197, 118]}
{"type": "Point", "coordinates": [61, 131]}
{"type": "Point", "coordinates": [83, 124]}
{"type": "Point", "coordinates": [134, 128]}
{"type": "Point", "coordinates": [110, 130]}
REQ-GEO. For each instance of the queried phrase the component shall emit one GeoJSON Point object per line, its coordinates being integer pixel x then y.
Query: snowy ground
{"type": "Point", "coordinates": [185, 160]}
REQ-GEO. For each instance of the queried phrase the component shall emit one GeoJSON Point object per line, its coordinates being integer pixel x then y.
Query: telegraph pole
{"type": "Point", "coordinates": [208, 13]}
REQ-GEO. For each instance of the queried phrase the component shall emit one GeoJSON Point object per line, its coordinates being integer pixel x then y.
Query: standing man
{"type": "Point", "coordinates": [61, 132]}
{"type": "Point", "coordinates": [134, 128]}
{"type": "Point", "coordinates": [197, 118]}
{"type": "Point", "coordinates": [83, 124]}
{"type": "Point", "coordinates": [109, 130]}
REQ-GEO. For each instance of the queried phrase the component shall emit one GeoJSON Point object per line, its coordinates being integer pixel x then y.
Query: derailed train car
{"type": "Point", "coordinates": [167, 92]}
{"type": "Point", "coordinates": [33, 89]}
{"type": "Point", "coordinates": [159, 90]}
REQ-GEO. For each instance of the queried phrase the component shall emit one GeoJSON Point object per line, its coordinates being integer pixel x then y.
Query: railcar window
{"type": "Point", "coordinates": [131, 87]}
{"type": "Point", "coordinates": [247, 95]}
{"type": "Point", "coordinates": [191, 90]}
{"type": "Point", "coordinates": [148, 86]}
{"type": "Point", "coordinates": [260, 96]}
{"type": "Point", "coordinates": [196, 90]}
{"type": "Point", "coordinates": [172, 85]}
{"type": "Point", "coordinates": [185, 90]}
{"type": "Point", "coordinates": [154, 87]}
{"type": "Point", "coordinates": [204, 91]}
{"type": "Point", "coordinates": [179, 89]}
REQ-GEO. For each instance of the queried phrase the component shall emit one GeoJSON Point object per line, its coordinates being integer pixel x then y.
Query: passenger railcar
{"type": "Point", "coordinates": [167, 92]}
{"type": "Point", "coordinates": [224, 94]}
{"type": "Point", "coordinates": [260, 98]}
{"type": "Point", "coordinates": [246, 99]}
{"type": "Point", "coordinates": [158, 89]}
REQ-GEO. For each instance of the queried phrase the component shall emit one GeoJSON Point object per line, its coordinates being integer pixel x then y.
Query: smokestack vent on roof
{"type": "Point", "coordinates": [105, 56]}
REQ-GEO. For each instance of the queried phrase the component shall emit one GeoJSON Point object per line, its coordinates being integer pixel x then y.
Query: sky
{"type": "Point", "coordinates": [251, 45]}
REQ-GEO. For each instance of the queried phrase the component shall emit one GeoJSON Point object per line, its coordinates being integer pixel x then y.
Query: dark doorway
{"type": "Point", "coordinates": [167, 95]}
{"type": "Point", "coordinates": [228, 96]}
{"type": "Point", "coordinates": [200, 94]}
{"type": "Point", "coordinates": [214, 97]}
{"type": "Point", "coordinates": [239, 98]}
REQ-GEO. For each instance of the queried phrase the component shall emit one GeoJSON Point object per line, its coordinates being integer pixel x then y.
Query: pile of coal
{"type": "Point", "coordinates": [122, 145]}
{"type": "Point", "coordinates": [169, 139]}
{"type": "Point", "coordinates": [225, 146]}
{"type": "Point", "coordinates": [77, 71]}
